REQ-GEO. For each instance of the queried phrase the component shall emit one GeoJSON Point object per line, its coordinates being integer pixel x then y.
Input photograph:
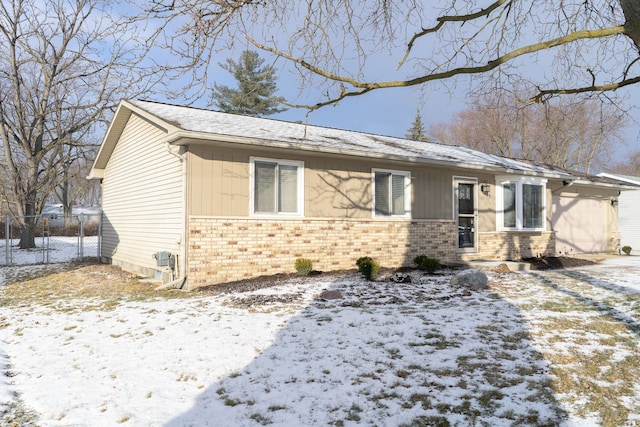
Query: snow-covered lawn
{"type": "Point", "coordinates": [51, 249]}
{"type": "Point", "coordinates": [538, 348]}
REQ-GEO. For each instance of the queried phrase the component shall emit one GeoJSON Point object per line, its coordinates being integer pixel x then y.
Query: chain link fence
{"type": "Point", "coordinates": [56, 240]}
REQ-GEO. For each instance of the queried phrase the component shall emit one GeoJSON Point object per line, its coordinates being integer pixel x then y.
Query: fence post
{"type": "Point", "coordinates": [45, 240]}
{"type": "Point", "coordinates": [7, 240]}
{"type": "Point", "coordinates": [99, 251]}
{"type": "Point", "coordinates": [81, 236]}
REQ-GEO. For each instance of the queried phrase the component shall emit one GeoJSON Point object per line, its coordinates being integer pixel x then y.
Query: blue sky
{"type": "Point", "coordinates": [388, 111]}
{"type": "Point", "coordinates": [392, 111]}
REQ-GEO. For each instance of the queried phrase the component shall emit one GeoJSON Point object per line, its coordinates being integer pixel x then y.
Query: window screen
{"type": "Point", "coordinates": [275, 188]}
{"type": "Point", "coordinates": [390, 193]}
{"type": "Point", "coordinates": [532, 206]}
{"type": "Point", "coordinates": [509, 204]}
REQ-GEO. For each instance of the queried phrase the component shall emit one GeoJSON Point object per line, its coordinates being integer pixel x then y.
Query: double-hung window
{"type": "Point", "coordinates": [521, 203]}
{"type": "Point", "coordinates": [276, 187]}
{"type": "Point", "coordinates": [391, 193]}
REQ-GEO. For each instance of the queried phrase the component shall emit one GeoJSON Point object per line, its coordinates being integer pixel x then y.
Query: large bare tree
{"type": "Point", "coordinates": [568, 132]}
{"type": "Point", "coordinates": [63, 66]}
{"type": "Point", "coordinates": [342, 47]}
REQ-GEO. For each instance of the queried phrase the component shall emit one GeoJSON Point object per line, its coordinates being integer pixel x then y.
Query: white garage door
{"type": "Point", "coordinates": [629, 217]}
{"type": "Point", "coordinates": [580, 225]}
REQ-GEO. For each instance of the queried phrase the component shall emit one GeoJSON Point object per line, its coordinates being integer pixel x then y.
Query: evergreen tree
{"type": "Point", "coordinates": [254, 95]}
{"type": "Point", "coordinates": [416, 131]}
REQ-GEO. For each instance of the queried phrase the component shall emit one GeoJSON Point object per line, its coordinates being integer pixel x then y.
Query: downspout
{"type": "Point", "coordinates": [179, 283]}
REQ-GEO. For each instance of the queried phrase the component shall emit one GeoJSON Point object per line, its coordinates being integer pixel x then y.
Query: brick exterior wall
{"type": "Point", "coordinates": [222, 250]}
{"type": "Point", "coordinates": [513, 245]}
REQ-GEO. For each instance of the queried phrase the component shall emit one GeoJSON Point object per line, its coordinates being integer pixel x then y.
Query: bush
{"type": "Point", "coordinates": [626, 250]}
{"type": "Point", "coordinates": [303, 266]}
{"type": "Point", "coordinates": [368, 267]}
{"type": "Point", "coordinates": [427, 264]}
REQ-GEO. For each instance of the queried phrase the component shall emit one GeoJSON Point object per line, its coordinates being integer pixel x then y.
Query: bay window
{"type": "Point", "coordinates": [521, 203]}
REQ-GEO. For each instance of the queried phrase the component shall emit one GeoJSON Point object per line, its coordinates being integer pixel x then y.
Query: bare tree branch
{"type": "Point", "coordinates": [449, 18]}
{"type": "Point", "coordinates": [365, 87]}
{"type": "Point", "coordinates": [544, 94]}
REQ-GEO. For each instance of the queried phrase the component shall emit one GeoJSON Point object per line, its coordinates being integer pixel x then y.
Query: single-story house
{"type": "Point", "coordinates": [214, 197]}
{"type": "Point", "coordinates": [628, 212]}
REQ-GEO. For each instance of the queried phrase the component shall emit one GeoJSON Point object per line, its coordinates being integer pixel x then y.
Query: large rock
{"type": "Point", "coordinates": [473, 279]}
{"type": "Point", "coordinates": [333, 294]}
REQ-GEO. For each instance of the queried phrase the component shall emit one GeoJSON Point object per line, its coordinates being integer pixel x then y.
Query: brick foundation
{"type": "Point", "coordinates": [513, 245]}
{"type": "Point", "coordinates": [222, 250]}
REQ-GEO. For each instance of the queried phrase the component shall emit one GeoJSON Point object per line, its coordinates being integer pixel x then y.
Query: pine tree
{"type": "Point", "coordinates": [416, 131]}
{"type": "Point", "coordinates": [254, 95]}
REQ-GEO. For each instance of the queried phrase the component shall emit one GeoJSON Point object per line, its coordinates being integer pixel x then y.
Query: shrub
{"type": "Point", "coordinates": [368, 267]}
{"type": "Point", "coordinates": [303, 266]}
{"type": "Point", "coordinates": [427, 264]}
{"type": "Point", "coordinates": [626, 250]}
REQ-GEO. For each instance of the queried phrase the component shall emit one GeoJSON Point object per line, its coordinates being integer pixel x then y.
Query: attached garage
{"type": "Point", "coordinates": [580, 225]}
{"type": "Point", "coordinates": [585, 215]}
{"type": "Point", "coordinates": [628, 213]}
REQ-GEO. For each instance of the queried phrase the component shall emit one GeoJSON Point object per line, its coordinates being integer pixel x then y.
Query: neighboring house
{"type": "Point", "coordinates": [232, 197]}
{"type": "Point", "coordinates": [628, 212]}
{"type": "Point", "coordinates": [54, 213]}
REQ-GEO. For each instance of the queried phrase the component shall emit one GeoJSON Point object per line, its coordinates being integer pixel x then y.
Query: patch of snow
{"type": "Point", "coordinates": [370, 358]}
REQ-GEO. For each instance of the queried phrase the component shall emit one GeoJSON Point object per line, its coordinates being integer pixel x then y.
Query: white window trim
{"type": "Point", "coordinates": [300, 190]}
{"type": "Point", "coordinates": [407, 193]}
{"type": "Point", "coordinates": [519, 181]}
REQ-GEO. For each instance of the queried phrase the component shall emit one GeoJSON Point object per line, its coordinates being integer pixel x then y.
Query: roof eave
{"type": "Point", "coordinates": [95, 173]}
{"type": "Point", "coordinates": [183, 138]}
{"type": "Point", "coordinates": [606, 185]}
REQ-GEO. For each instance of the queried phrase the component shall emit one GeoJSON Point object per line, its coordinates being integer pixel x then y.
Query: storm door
{"type": "Point", "coordinates": [466, 209]}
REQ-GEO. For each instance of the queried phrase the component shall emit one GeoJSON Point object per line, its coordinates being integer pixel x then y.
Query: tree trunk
{"type": "Point", "coordinates": [28, 232]}
{"type": "Point", "coordinates": [631, 10]}
{"type": "Point", "coordinates": [66, 203]}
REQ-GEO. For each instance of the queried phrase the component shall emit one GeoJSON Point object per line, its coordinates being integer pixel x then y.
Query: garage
{"type": "Point", "coordinates": [628, 212]}
{"type": "Point", "coordinates": [581, 224]}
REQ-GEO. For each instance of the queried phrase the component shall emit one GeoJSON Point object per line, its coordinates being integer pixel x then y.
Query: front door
{"type": "Point", "coordinates": [466, 213]}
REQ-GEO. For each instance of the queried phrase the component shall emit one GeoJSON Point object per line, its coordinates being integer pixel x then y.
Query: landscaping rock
{"type": "Point", "coordinates": [327, 295]}
{"type": "Point", "coordinates": [473, 279]}
{"type": "Point", "coordinates": [502, 268]}
{"type": "Point", "coordinates": [401, 278]}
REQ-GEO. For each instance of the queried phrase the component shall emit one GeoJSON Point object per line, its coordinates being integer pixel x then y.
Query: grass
{"type": "Point", "coordinates": [104, 286]}
{"type": "Point", "coordinates": [592, 357]}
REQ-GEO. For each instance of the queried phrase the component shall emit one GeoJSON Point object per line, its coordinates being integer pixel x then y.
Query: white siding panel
{"type": "Point", "coordinates": [629, 219]}
{"type": "Point", "coordinates": [580, 225]}
{"type": "Point", "coordinates": [142, 198]}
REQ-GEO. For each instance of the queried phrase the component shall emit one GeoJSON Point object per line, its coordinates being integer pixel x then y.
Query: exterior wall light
{"type": "Point", "coordinates": [485, 188]}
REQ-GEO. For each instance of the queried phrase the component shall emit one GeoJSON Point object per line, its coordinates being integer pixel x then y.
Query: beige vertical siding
{"type": "Point", "coordinates": [334, 187]}
{"type": "Point", "coordinates": [585, 221]}
{"type": "Point", "coordinates": [142, 198]}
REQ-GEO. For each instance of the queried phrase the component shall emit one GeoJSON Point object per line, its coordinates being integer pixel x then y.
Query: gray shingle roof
{"type": "Point", "coordinates": [261, 131]}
